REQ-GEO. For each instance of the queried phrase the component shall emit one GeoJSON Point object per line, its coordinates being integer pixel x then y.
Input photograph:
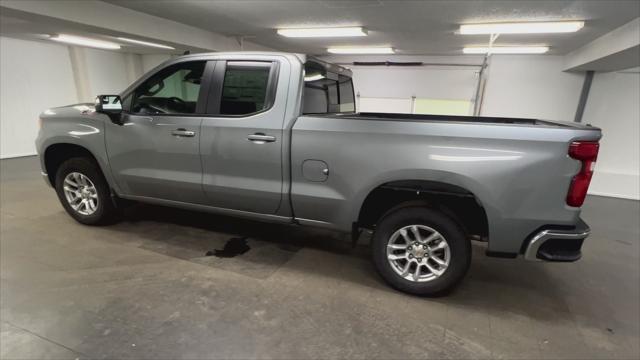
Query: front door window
{"type": "Point", "coordinates": [173, 90]}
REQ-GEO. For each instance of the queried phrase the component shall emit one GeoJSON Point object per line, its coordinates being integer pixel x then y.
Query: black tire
{"type": "Point", "coordinates": [459, 247]}
{"type": "Point", "coordinates": [105, 210]}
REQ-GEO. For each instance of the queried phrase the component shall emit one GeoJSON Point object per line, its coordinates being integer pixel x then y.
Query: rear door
{"type": "Point", "coordinates": [155, 153]}
{"type": "Point", "coordinates": [241, 138]}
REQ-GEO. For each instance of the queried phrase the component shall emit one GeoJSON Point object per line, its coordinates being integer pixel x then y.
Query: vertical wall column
{"type": "Point", "coordinates": [480, 86]}
{"type": "Point", "coordinates": [80, 73]}
{"type": "Point", "coordinates": [83, 75]}
{"type": "Point", "coordinates": [584, 95]}
{"type": "Point", "coordinates": [134, 67]}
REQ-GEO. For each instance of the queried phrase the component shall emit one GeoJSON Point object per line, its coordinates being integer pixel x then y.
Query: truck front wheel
{"type": "Point", "coordinates": [421, 251]}
{"type": "Point", "coordinates": [83, 192]}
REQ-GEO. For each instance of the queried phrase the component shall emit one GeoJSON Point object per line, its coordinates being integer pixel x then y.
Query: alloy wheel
{"type": "Point", "coordinates": [418, 253]}
{"type": "Point", "coordinates": [81, 193]}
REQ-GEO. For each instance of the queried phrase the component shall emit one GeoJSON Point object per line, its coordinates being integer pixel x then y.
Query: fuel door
{"type": "Point", "coordinates": [315, 170]}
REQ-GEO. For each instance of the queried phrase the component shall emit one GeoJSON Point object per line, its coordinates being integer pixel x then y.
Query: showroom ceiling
{"type": "Point", "coordinates": [411, 27]}
{"type": "Point", "coordinates": [34, 27]}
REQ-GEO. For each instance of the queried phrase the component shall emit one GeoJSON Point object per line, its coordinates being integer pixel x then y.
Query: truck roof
{"type": "Point", "coordinates": [303, 58]}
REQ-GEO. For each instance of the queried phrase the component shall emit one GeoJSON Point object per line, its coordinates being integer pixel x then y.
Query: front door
{"type": "Point", "coordinates": [242, 142]}
{"type": "Point", "coordinates": [155, 152]}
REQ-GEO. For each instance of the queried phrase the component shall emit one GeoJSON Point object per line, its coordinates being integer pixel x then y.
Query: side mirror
{"type": "Point", "coordinates": [111, 105]}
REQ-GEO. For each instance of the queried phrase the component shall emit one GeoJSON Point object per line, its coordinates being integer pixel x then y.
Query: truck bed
{"type": "Point", "coordinates": [518, 169]}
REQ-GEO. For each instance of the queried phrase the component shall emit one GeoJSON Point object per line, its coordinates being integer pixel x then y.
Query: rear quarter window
{"type": "Point", "coordinates": [326, 92]}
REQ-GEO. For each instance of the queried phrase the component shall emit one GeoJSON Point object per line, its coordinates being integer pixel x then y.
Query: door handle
{"type": "Point", "coordinates": [260, 138]}
{"type": "Point", "coordinates": [183, 133]}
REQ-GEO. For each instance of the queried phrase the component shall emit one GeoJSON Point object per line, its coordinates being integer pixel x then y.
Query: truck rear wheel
{"type": "Point", "coordinates": [83, 192]}
{"type": "Point", "coordinates": [420, 251]}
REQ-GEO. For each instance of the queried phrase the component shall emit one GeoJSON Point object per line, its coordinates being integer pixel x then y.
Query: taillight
{"type": "Point", "coordinates": [586, 152]}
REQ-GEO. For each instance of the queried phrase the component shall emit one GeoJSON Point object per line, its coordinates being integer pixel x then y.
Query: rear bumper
{"type": "Point", "coordinates": [557, 245]}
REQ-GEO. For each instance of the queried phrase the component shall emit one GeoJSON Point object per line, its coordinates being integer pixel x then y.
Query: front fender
{"type": "Point", "coordinates": [83, 128]}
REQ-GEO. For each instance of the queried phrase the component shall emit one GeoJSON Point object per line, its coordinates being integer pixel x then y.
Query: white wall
{"type": "Point", "coordinates": [517, 86]}
{"type": "Point", "coordinates": [422, 82]}
{"type": "Point", "coordinates": [34, 76]}
{"type": "Point", "coordinates": [101, 72]}
{"type": "Point", "coordinates": [107, 71]}
{"type": "Point", "coordinates": [384, 105]}
{"type": "Point", "coordinates": [149, 61]}
{"type": "Point", "coordinates": [434, 82]}
{"type": "Point", "coordinates": [614, 106]}
{"type": "Point", "coordinates": [531, 87]}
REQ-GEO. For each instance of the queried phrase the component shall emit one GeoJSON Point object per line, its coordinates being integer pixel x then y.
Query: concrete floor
{"type": "Point", "coordinates": [143, 288]}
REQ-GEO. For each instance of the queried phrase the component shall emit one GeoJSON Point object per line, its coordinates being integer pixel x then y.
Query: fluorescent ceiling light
{"type": "Point", "coordinates": [146, 43]}
{"type": "Point", "coordinates": [522, 28]}
{"type": "Point", "coordinates": [314, 77]}
{"type": "Point", "coordinates": [83, 41]}
{"type": "Point", "coordinates": [506, 50]}
{"type": "Point", "coordinates": [361, 50]}
{"type": "Point", "coordinates": [324, 32]}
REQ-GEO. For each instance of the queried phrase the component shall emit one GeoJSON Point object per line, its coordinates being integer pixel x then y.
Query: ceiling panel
{"type": "Point", "coordinates": [412, 27]}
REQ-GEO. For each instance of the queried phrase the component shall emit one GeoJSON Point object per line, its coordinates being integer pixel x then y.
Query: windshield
{"type": "Point", "coordinates": [326, 92]}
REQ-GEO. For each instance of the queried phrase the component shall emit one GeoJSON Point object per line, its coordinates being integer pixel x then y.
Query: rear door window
{"type": "Point", "coordinates": [245, 88]}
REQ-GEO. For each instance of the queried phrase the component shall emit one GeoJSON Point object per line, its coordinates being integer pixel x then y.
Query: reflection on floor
{"type": "Point", "coordinates": [145, 287]}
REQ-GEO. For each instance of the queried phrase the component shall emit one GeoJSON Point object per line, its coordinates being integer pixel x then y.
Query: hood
{"type": "Point", "coordinates": [69, 110]}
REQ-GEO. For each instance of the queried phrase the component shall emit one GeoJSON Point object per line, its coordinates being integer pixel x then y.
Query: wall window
{"type": "Point", "coordinates": [244, 89]}
{"type": "Point", "coordinates": [416, 106]}
{"type": "Point", "coordinates": [173, 90]}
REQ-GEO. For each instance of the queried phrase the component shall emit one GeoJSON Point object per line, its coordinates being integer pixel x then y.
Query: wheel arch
{"type": "Point", "coordinates": [457, 202]}
{"type": "Point", "coordinates": [56, 154]}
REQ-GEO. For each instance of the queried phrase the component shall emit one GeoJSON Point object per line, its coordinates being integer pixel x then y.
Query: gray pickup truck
{"type": "Point", "coordinates": [275, 137]}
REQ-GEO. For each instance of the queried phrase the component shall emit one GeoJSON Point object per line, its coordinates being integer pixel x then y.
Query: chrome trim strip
{"type": "Point", "coordinates": [315, 223]}
{"type": "Point", "coordinates": [532, 249]}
